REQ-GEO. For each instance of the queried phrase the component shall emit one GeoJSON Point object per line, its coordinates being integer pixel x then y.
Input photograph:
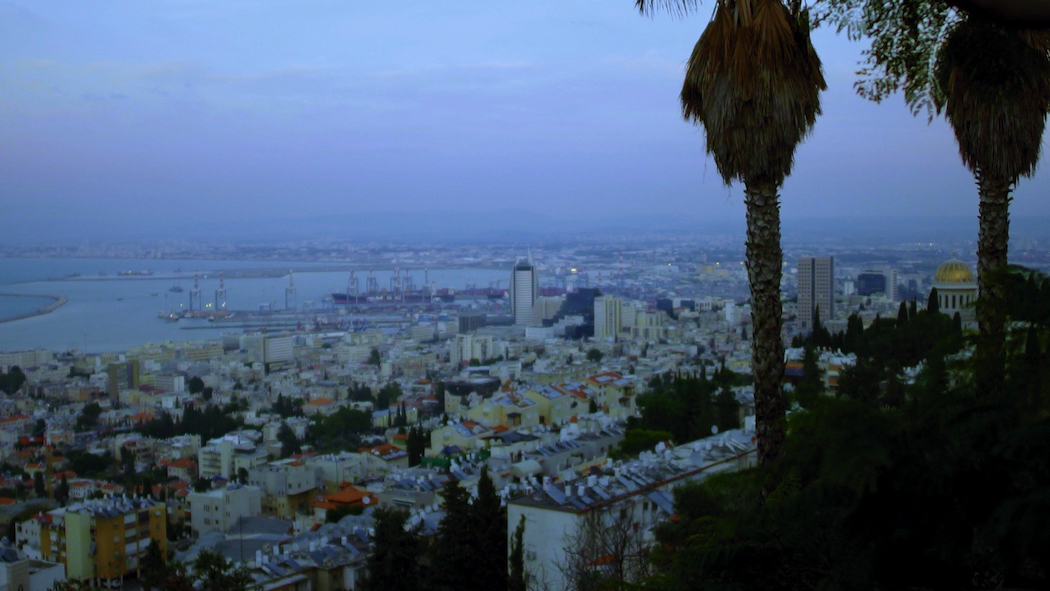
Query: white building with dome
{"type": "Point", "coordinates": [956, 287]}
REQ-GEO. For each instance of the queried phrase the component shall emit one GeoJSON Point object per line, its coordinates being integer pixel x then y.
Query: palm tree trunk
{"type": "Point", "coordinates": [992, 247]}
{"type": "Point", "coordinates": [764, 269]}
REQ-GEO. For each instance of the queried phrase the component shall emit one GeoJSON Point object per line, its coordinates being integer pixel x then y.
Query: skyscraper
{"type": "Point", "coordinates": [524, 289]}
{"type": "Point", "coordinates": [607, 317]}
{"type": "Point", "coordinates": [816, 290]}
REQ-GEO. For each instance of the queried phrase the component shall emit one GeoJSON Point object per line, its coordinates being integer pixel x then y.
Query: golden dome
{"type": "Point", "coordinates": [953, 271]}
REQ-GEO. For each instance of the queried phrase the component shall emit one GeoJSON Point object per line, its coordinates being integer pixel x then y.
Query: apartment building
{"type": "Point", "coordinates": [227, 455]}
{"type": "Point", "coordinates": [287, 487]}
{"type": "Point", "coordinates": [218, 510]}
{"type": "Point", "coordinates": [102, 539]}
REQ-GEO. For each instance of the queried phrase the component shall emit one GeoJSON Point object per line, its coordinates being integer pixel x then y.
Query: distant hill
{"type": "Point", "coordinates": [511, 225]}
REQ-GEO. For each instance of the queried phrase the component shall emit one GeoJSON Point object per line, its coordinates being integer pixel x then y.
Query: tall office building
{"type": "Point", "coordinates": [881, 281]}
{"type": "Point", "coordinates": [122, 376]}
{"type": "Point", "coordinates": [816, 289]}
{"type": "Point", "coordinates": [607, 317]}
{"type": "Point", "coordinates": [524, 289]}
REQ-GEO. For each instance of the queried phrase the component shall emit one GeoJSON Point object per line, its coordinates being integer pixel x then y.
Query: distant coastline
{"type": "Point", "coordinates": [57, 302]}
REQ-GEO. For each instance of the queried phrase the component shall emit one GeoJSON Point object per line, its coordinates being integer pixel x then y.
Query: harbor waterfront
{"type": "Point", "coordinates": [113, 304]}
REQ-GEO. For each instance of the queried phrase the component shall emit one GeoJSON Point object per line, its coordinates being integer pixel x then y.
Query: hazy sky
{"type": "Point", "coordinates": [117, 113]}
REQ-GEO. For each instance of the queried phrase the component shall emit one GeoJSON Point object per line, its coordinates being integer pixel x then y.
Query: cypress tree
{"type": "Point", "coordinates": [902, 314]}
{"type": "Point", "coordinates": [933, 304]}
{"type": "Point", "coordinates": [516, 579]}
{"type": "Point", "coordinates": [489, 519]}
{"type": "Point", "coordinates": [394, 562]}
{"type": "Point", "coordinates": [913, 310]}
{"type": "Point", "coordinates": [454, 552]}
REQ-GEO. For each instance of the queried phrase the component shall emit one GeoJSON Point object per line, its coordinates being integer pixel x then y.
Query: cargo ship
{"type": "Point", "coordinates": [412, 297]}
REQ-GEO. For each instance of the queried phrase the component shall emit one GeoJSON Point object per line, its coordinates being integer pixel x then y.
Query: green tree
{"type": "Point", "coordinates": [155, 571]}
{"type": "Point", "coordinates": [811, 386]}
{"type": "Point", "coordinates": [39, 428]}
{"type": "Point", "coordinates": [39, 488]}
{"type": "Point", "coordinates": [639, 440]}
{"type": "Point", "coordinates": [195, 385]}
{"type": "Point", "coordinates": [289, 442]}
{"type": "Point", "coordinates": [455, 549]}
{"type": "Point", "coordinates": [213, 572]}
{"type": "Point", "coordinates": [394, 562]}
{"type": "Point", "coordinates": [62, 491]}
{"type": "Point", "coordinates": [753, 82]}
{"type": "Point", "coordinates": [594, 355]}
{"type": "Point", "coordinates": [489, 527]}
{"type": "Point", "coordinates": [516, 580]}
{"type": "Point", "coordinates": [728, 408]}
{"type": "Point", "coordinates": [374, 358]}
{"type": "Point", "coordinates": [416, 446]}
{"type": "Point", "coordinates": [88, 417]}
{"type": "Point", "coordinates": [12, 381]}
{"type": "Point", "coordinates": [933, 303]}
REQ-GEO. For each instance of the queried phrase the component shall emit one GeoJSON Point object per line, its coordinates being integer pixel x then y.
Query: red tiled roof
{"type": "Point", "coordinates": [350, 496]}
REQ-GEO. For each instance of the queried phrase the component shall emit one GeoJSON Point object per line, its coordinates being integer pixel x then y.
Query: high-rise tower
{"type": "Point", "coordinates": [816, 290]}
{"type": "Point", "coordinates": [524, 289]}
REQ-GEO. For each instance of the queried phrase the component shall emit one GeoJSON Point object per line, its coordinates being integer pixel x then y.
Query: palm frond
{"type": "Point", "coordinates": [677, 8]}
{"type": "Point", "coordinates": [753, 82]}
{"type": "Point", "coordinates": [995, 84]}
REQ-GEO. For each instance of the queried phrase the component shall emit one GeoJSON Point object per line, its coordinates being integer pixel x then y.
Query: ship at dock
{"type": "Point", "coordinates": [443, 295]}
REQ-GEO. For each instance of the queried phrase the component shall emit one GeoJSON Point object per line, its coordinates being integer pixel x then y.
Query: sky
{"type": "Point", "coordinates": [125, 114]}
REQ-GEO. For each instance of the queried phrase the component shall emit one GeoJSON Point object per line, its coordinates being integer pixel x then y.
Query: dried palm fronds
{"type": "Point", "coordinates": [754, 83]}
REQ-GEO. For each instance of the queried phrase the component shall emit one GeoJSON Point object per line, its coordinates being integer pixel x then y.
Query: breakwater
{"type": "Point", "coordinates": [57, 302]}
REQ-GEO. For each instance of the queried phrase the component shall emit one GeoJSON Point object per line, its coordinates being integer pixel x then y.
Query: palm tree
{"type": "Point", "coordinates": [753, 83]}
{"type": "Point", "coordinates": [994, 87]}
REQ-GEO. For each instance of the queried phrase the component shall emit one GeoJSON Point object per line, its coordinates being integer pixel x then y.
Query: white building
{"type": "Point", "coordinates": [465, 347]}
{"type": "Point", "coordinates": [227, 455]}
{"type": "Point", "coordinates": [170, 383]}
{"type": "Point", "coordinates": [631, 497]}
{"type": "Point", "coordinates": [217, 510]}
{"type": "Point", "coordinates": [25, 359]}
{"type": "Point", "coordinates": [816, 290]}
{"type": "Point", "coordinates": [30, 575]}
{"type": "Point", "coordinates": [524, 289]}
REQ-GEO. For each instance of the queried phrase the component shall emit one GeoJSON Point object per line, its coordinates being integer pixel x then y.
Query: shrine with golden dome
{"type": "Point", "coordinates": [956, 287]}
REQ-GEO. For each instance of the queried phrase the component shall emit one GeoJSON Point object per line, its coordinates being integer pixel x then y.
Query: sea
{"type": "Point", "coordinates": [108, 312]}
